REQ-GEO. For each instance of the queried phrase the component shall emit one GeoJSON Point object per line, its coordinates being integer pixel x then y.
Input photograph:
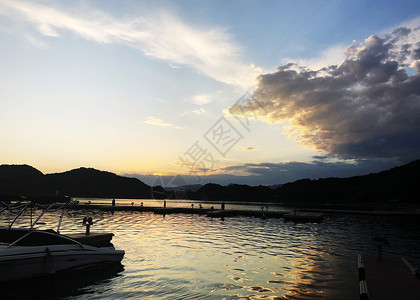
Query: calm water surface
{"type": "Point", "coordinates": [182, 256]}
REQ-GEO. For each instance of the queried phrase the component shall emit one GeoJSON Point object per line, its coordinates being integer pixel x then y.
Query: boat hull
{"type": "Point", "coordinates": [18, 263]}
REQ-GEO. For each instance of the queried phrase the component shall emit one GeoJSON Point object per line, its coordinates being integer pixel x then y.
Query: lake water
{"type": "Point", "coordinates": [183, 256]}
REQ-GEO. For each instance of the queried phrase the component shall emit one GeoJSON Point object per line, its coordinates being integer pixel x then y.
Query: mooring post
{"type": "Point", "coordinates": [87, 222]}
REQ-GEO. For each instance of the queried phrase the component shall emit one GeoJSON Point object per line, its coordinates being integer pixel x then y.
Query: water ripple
{"type": "Point", "coordinates": [180, 256]}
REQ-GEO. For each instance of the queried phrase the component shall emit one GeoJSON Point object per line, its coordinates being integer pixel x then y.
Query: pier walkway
{"type": "Point", "coordinates": [186, 210]}
{"type": "Point", "coordinates": [387, 278]}
{"type": "Point", "coordinates": [214, 213]}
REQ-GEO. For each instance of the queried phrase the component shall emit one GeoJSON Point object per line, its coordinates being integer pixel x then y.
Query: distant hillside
{"type": "Point", "coordinates": [83, 182]}
{"type": "Point", "coordinates": [20, 180]}
{"type": "Point", "coordinates": [397, 187]}
{"type": "Point", "coordinates": [88, 182]}
{"type": "Point", "coordinates": [190, 187]}
{"type": "Point", "coordinates": [233, 192]}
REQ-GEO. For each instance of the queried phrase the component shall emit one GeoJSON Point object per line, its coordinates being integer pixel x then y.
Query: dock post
{"type": "Point", "coordinates": [87, 222]}
{"type": "Point", "coordinates": [364, 294]}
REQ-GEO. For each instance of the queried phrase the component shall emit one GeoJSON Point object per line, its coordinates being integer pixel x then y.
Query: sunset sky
{"type": "Point", "coordinates": [255, 92]}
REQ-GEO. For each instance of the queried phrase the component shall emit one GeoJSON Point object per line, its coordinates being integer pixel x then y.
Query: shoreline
{"type": "Point", "coordinates": [169, 210]}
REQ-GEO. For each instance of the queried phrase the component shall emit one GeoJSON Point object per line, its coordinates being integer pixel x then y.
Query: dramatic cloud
{"type": "Point", "coordinates": [366, 107]}
{"type": "Point", "coordinates": [210, 51]}
{"type": "Point", "coordinates": [159, 122]}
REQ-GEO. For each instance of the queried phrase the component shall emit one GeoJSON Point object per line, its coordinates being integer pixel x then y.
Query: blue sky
{"type": "Point", "coordinates": [149, 87]}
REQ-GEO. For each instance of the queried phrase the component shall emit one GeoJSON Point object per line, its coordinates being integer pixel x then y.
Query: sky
{"type": "Point", "coordinates": [250, 92]}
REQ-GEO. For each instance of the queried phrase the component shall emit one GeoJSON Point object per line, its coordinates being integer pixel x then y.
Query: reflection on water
{"type": "Point", "coordinates": [183, 256]}
{"type": "Point", "coordinates": [70, 285]}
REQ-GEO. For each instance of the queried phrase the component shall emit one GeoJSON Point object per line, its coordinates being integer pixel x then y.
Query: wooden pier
{"type": "Point", "coordinates": [213, 213]}
{"type": "Point", "coordinates": [387, 278]}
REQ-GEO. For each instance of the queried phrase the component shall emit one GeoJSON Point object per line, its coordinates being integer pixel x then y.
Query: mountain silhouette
{"type": "Point", "coordinates": [390, 189]}
{"type": "Point", "coordinates": [23, 180]}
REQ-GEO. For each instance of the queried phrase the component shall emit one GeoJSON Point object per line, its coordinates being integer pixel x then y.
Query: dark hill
{"type": "Point", "coordinates": [20, 180]}
{"type": "Point", "coordinates": [8, 171]}
{"type": "Point", "coordinates": [88, 182]}
{"type": "Point", "coordinates": [233, 192]}
{"type": "Point", "coordinates": [394, 188]}
{"type": "Point", "coordinates": [83, 182]}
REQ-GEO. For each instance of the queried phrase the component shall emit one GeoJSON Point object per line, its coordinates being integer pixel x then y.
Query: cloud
{"type": "Point", "coordinates": [249, 148]}
{"type": "Point", "coordinates": [279, 173]}
{"type": "Point", "coordinates": [159, 122]}
{"type": "Point", "coordinates": [368, 106]}
{"type": "Point", "coordinates": [416, 65]}
{"type": "Point", "coordinates": [209, 51]}
{"type": "Point", "coordinates": [201, 99]}
{"type": "Point", "coordinates": [332, 55]}
{"type": "Point", "coordinates": [198, 111]}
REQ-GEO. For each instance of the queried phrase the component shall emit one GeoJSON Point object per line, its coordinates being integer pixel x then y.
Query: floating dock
{"type": "Point", "coordinates": [213, 213]}
{"type": "Point", "coordinates": [387, 278]}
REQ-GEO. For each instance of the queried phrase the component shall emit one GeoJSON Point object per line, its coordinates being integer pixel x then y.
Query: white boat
{"type": "Point", "coordinates": [31, 253]}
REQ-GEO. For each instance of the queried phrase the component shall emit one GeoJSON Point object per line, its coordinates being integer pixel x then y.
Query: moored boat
{"type": "Point", "coordinates": [31, 253]}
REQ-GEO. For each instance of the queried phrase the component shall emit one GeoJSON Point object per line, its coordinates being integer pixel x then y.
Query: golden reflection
{"type": "Point", "coordinates": [303, 282]}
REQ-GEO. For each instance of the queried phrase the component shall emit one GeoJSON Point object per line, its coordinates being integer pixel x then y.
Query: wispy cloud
{"type": "Point", "coordinates": [160, 122]}
{"type": "Point", "coordinates": [210, 51]}
{"type": "Point", "coordinates": [198, 111]}
{"type": "Point", "coordinates": [201, 99]}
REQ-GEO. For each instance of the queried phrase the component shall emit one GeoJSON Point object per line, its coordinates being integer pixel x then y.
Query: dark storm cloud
{"type": "Point", "coordinates": [366, 107]}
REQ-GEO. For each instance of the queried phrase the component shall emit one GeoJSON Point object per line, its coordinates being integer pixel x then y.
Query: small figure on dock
{"type": "Point", "coordinates": [263, 215]}
{"type": "Point", "coordinates": [200, 206]}
{"type": "Point", "coordinates": [164, 203]}
{"type": "Point", "coordinates": [212, 208]}
{"type": "Point", "coordinates": [132, 204]}
{"type": "Point", "coordinates": [223, 206]}
{"type": "Point", "coordinates": [113, 202]}
{"type": "Point", "coordinates": [192, 205]}
{"type": "Point", "coordinates": [141, 204]}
